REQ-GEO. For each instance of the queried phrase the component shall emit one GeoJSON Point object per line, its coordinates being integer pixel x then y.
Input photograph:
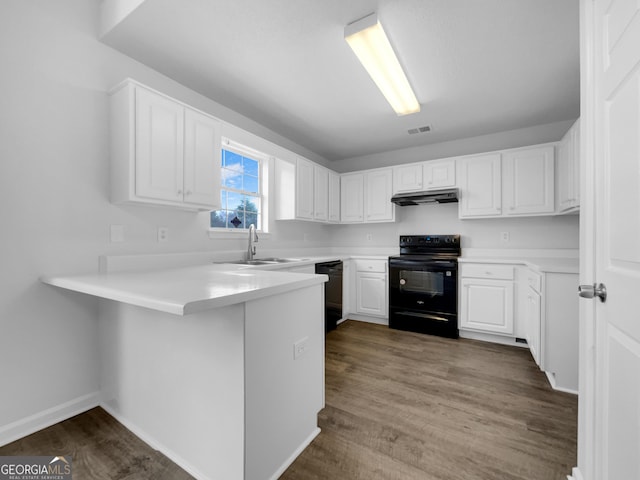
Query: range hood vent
{"type": "Point", "coordinates": [449, 195]}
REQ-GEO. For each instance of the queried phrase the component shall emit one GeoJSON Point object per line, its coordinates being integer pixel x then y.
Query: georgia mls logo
{"type": "Point", "coordinates": [35, 468]}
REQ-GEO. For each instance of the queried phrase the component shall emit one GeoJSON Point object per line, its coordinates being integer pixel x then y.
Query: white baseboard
{"type": "Point", "coordinates": [575, 474]}
{"type": "Point", "coordinates": [153, 443]}
{"type": "Point", "coordinates": [295, 454]}
{"type": "Point", "coordinates": [488, 337]}
{"type": "Point", "coordinates": [33, 423]}
{"type": "Point", "coordinates": [554, 385]}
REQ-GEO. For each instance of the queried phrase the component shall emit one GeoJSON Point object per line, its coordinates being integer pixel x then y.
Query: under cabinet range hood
{"type": "Point", "coordinates": [449, 195]}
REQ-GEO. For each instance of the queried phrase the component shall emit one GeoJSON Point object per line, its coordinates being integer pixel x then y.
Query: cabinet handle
{"type": "Point", "coordinates": [488, 273]}
{"type": "Point", "coordinates": [179, 192]}
{"type": "Point", "coordinates": [188, 192]}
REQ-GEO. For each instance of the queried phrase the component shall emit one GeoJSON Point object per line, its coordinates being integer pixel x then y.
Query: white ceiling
{"type": "Point", "coordinates": [477, 66]}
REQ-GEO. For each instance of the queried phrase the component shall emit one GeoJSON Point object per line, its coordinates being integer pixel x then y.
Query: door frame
{"type": "Point", "coordinates": [585, 470]}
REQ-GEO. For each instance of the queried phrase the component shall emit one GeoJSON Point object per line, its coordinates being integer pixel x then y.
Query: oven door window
{"type": "Point", "coordinates": [423, 282]}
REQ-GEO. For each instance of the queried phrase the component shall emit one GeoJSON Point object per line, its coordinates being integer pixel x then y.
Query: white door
{"type": "Point", "coordinates": [613, 122]}
{"type": "Point", "coordinates": [321, 193]}
{"type": "Point", "coordinates": [334, 197]}
{"type": "Point", "coordinates": [159, 147]}
{"type": "Point", "coordinates": [201, 160]}
{"type": "Point", "coordinates": [487, 305]}
{"type": "Point", "coordinates": [371, 293]}
{"type": "Point", "coordinates": [378, 192]}
{"type": "Point", "coordinates": [352, 197]}
{"type": "Point", "coordinates": [439, 174]}
{"type": "Point", "coordinates": [407, 178]}
{"type": "Point", "coordinates": [480, 186]}
{"type": "Point", "coordinates": [304, 189]}
{"type": "Point", "coordinates": [528, 181]}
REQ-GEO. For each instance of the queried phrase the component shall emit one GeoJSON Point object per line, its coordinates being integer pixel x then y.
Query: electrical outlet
{"type": "Point", "coordinates": [163, 234]}
{"type": "Point", "coordinates": [300, 347]}
{"type": "Point", "coordinates": [116, 233]}
{"type": "Point", "coordinates": [305, 237]}
{"type": "Point", "coordinates": [369, 237]}
{"type": "Point", "coordinates": [504, 237]}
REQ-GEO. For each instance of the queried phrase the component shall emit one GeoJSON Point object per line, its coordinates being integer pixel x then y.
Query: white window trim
{"type": "Point", "coordinates": [263, 160]}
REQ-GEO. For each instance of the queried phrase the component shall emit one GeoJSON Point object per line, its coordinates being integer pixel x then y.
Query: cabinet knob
{"type": "Point", "coordinates": [188, 192]}
{"type": "Point", "coordinates": [179, 192]}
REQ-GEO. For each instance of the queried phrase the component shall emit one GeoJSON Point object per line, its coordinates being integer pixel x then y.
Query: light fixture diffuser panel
{"type": "Point", "coordinates": [367, 39]}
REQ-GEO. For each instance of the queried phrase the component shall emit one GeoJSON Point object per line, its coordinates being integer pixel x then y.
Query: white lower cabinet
{"type": "Point", "coordinates": [487, 298]}
{"type": "Point", "coordinates": [371, 288]}
{"type": "Point", "coordinates": [552, 326]}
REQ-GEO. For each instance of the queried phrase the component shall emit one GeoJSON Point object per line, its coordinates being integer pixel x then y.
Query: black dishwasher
{"type": "Point", "coordinates": [332, 293]}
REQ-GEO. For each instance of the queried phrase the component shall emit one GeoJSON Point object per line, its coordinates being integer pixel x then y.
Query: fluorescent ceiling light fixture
{"type": "Point", "coordinates": [370, 44]}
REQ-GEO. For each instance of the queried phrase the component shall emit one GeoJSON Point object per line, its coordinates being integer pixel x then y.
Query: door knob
{"type": "Point", "coordinates": [591, 291]}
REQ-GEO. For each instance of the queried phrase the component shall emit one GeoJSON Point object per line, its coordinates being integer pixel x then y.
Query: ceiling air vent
{"type": "Point", "coordinates": [425, 129]}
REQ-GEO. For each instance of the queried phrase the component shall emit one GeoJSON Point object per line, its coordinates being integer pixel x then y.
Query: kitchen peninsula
{"type": "Point", "coordinates": [219, 367]}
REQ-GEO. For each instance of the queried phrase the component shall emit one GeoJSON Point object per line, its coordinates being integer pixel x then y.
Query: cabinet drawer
{"type": "Point", "coordinates": [379, 266]}
{"type": "Point", "coordinates": [534, 280]}
{"type": "Point", "coordinates": [486, 270]}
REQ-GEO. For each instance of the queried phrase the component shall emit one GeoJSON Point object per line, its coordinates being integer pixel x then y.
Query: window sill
{"type": "Point", "coordinates": [216, 234]}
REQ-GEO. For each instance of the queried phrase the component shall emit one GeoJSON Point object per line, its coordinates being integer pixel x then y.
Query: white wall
{"type": "Point", "coordinates": [530, 232]}
{"type": "Point", "coordinates": [55, 210]}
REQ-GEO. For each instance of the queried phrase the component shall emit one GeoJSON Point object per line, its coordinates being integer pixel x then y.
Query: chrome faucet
{"type": "Point", "coordinates": [253, 239]}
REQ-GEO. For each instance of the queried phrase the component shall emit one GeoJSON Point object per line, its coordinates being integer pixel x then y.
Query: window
{"type": "Point", "coordinates": [241, 192]}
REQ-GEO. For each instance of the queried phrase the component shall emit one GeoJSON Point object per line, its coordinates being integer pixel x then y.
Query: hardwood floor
{"type": "Point", "coordinates": [399, 406]}
{"type": "Point", "coordinates": [408, 406]}
{"type": "Point", "coordinates": [101, 449]}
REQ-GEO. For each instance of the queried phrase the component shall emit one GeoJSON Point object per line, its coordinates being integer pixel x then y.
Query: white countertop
{"type": "Point", "coordinates": [541, 264]}
{"type": "Point", "coordinates": [188, 289]}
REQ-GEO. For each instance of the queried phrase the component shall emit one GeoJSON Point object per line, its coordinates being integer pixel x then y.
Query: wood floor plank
{"type": "Point", "coordinates": [399, 406]}
{"type": "Point", "coordinates": [443, 409]}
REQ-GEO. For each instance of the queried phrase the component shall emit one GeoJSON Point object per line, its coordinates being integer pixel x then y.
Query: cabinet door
{"type": "Point", "coordinates": [320, 193]}
{"type": "Point", "coordinates": [371, 294]}
{"type": "Point", "coordinates": [569, 170]}
{"type": "Point", "coordinates": [334, 197]}
{"type": "Point", "coordinates": [439, 174]}
{"type": "Point", "coordinates": [487, 305]}
{"type": "Point", "coordinates": [480, 186]}
{"type": "Point", "coordinates": [159, 146]}
{"type": "Point", "coordinates": [378, 188]}
{"type": "Point", "coordinates": [304, 189]}
{"type": "Point", "coordinates": [528, 181]}
{"type": "Point", "coordinates": [352, 197]}
{"type": "Point", "coordinates": [407, 178]}
{"type": "Point", "coordinates": [533, 324]}
{"type": "Point", "coordinates": [201, 160]}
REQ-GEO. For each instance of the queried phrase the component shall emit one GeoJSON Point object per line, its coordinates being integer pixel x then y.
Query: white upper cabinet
{"type": "Point", "coordinates": [334, 197]}
{"type": "Point", "coordinates": [320, 193]}
{"type": "Point", "coordinates": [201, 166]}
{"type": "Point", "coordinates": [439, 174]}
{"type": "Point", "coordinates": [162, 152]}
{"type": "Point", "coordinates": [304, 189]}
{"type": "Point", "coordinates": [528, 181]}
{"type": "Point", "coordinates": [378, 188]}
{"type": "Point", "coordinates": [407, 178]}
{"type": "Point", "coordinates": [480, 182]}
{"type": "Point", "coordinates": [352, 197]}
{"type": "Point", "coordinates": [568, 168]}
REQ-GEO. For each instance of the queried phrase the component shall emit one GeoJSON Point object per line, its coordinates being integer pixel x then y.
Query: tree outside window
{"type": "Point", "coordinates": [240, 193]}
